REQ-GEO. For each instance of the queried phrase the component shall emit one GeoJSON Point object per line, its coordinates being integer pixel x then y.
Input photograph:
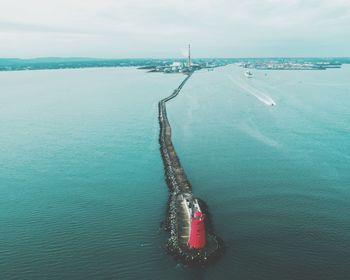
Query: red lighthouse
{"type": "Point", "coordinates": [197, 238]}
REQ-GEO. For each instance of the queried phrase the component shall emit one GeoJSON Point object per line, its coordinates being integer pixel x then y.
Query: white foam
{"type": "Point", "coordinates": [253, 131]}
{"type": "Point", "coordinates": [267, 100]}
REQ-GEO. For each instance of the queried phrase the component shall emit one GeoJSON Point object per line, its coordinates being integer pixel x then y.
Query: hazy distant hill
{"type": "Point", "coordinates": [7, 64]}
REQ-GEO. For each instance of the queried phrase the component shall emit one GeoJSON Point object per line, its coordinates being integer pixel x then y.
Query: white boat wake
{"type": "Point", "coordinates": [267, 100]}
{"type": "Point", "coordinates": [250, 129]}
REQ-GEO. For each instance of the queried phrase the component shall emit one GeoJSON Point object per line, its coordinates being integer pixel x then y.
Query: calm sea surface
{"type": "Point", "coordinates": [82, 191]}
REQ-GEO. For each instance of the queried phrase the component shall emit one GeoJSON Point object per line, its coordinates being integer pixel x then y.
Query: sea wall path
{"type": "Point", "coordinates": [181, 199]}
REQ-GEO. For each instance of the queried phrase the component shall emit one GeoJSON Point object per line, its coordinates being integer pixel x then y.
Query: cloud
{"type": "Point", "coordinates": [128, 28]}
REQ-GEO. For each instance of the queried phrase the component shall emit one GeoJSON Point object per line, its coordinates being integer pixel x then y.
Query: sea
{"type": "Point", "coordinates": [82, 189]}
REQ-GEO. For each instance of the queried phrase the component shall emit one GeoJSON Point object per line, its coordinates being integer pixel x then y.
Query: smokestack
{"type": "Point", "coordinates": [189, 56]}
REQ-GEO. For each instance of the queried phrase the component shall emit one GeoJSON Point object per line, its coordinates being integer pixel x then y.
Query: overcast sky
{"type": "Point", "coordinates": [163, 28]}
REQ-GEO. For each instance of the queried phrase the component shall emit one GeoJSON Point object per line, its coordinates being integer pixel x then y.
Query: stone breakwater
{"type": "Point", "coordinates": [178, 221]}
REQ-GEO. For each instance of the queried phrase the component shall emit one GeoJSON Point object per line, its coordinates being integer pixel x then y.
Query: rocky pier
{"type": "Point", "coordinates": [181, 202]}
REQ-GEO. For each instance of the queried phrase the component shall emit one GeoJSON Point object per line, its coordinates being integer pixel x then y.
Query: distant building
{"type": "Point", "coordinates": [176, 66]}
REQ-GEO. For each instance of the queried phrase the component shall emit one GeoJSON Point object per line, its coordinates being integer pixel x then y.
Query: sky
{"type": "Point", "coordinates": [163, 28]}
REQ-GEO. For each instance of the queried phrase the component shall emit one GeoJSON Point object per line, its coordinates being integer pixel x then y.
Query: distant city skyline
{"type": "Point", "coordinates": [163, 28]}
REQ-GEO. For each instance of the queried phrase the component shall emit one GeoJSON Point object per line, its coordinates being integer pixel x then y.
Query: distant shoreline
{"type": "Point", "coordinates": [15, 64]}
{"type": "Point", "coordinates": [72, 63]}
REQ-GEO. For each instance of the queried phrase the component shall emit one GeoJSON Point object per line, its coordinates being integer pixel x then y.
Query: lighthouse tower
{"type": "Point", "coordinates": [197, 238]}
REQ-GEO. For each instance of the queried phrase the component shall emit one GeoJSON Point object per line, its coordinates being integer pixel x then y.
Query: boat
{"type": "Point", "coordinates": [248, 74]}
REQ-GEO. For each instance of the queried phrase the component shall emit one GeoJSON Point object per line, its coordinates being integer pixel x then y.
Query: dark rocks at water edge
{"type": "Point", "coordinates": [192, 256]}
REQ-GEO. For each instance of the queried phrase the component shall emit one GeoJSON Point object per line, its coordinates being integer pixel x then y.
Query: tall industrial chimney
{"type": "Point", "coordinates": [189, 56]}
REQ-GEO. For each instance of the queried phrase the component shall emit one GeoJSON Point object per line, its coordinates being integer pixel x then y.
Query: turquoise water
{"type": "Point", "coordinates": [82, 186]}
